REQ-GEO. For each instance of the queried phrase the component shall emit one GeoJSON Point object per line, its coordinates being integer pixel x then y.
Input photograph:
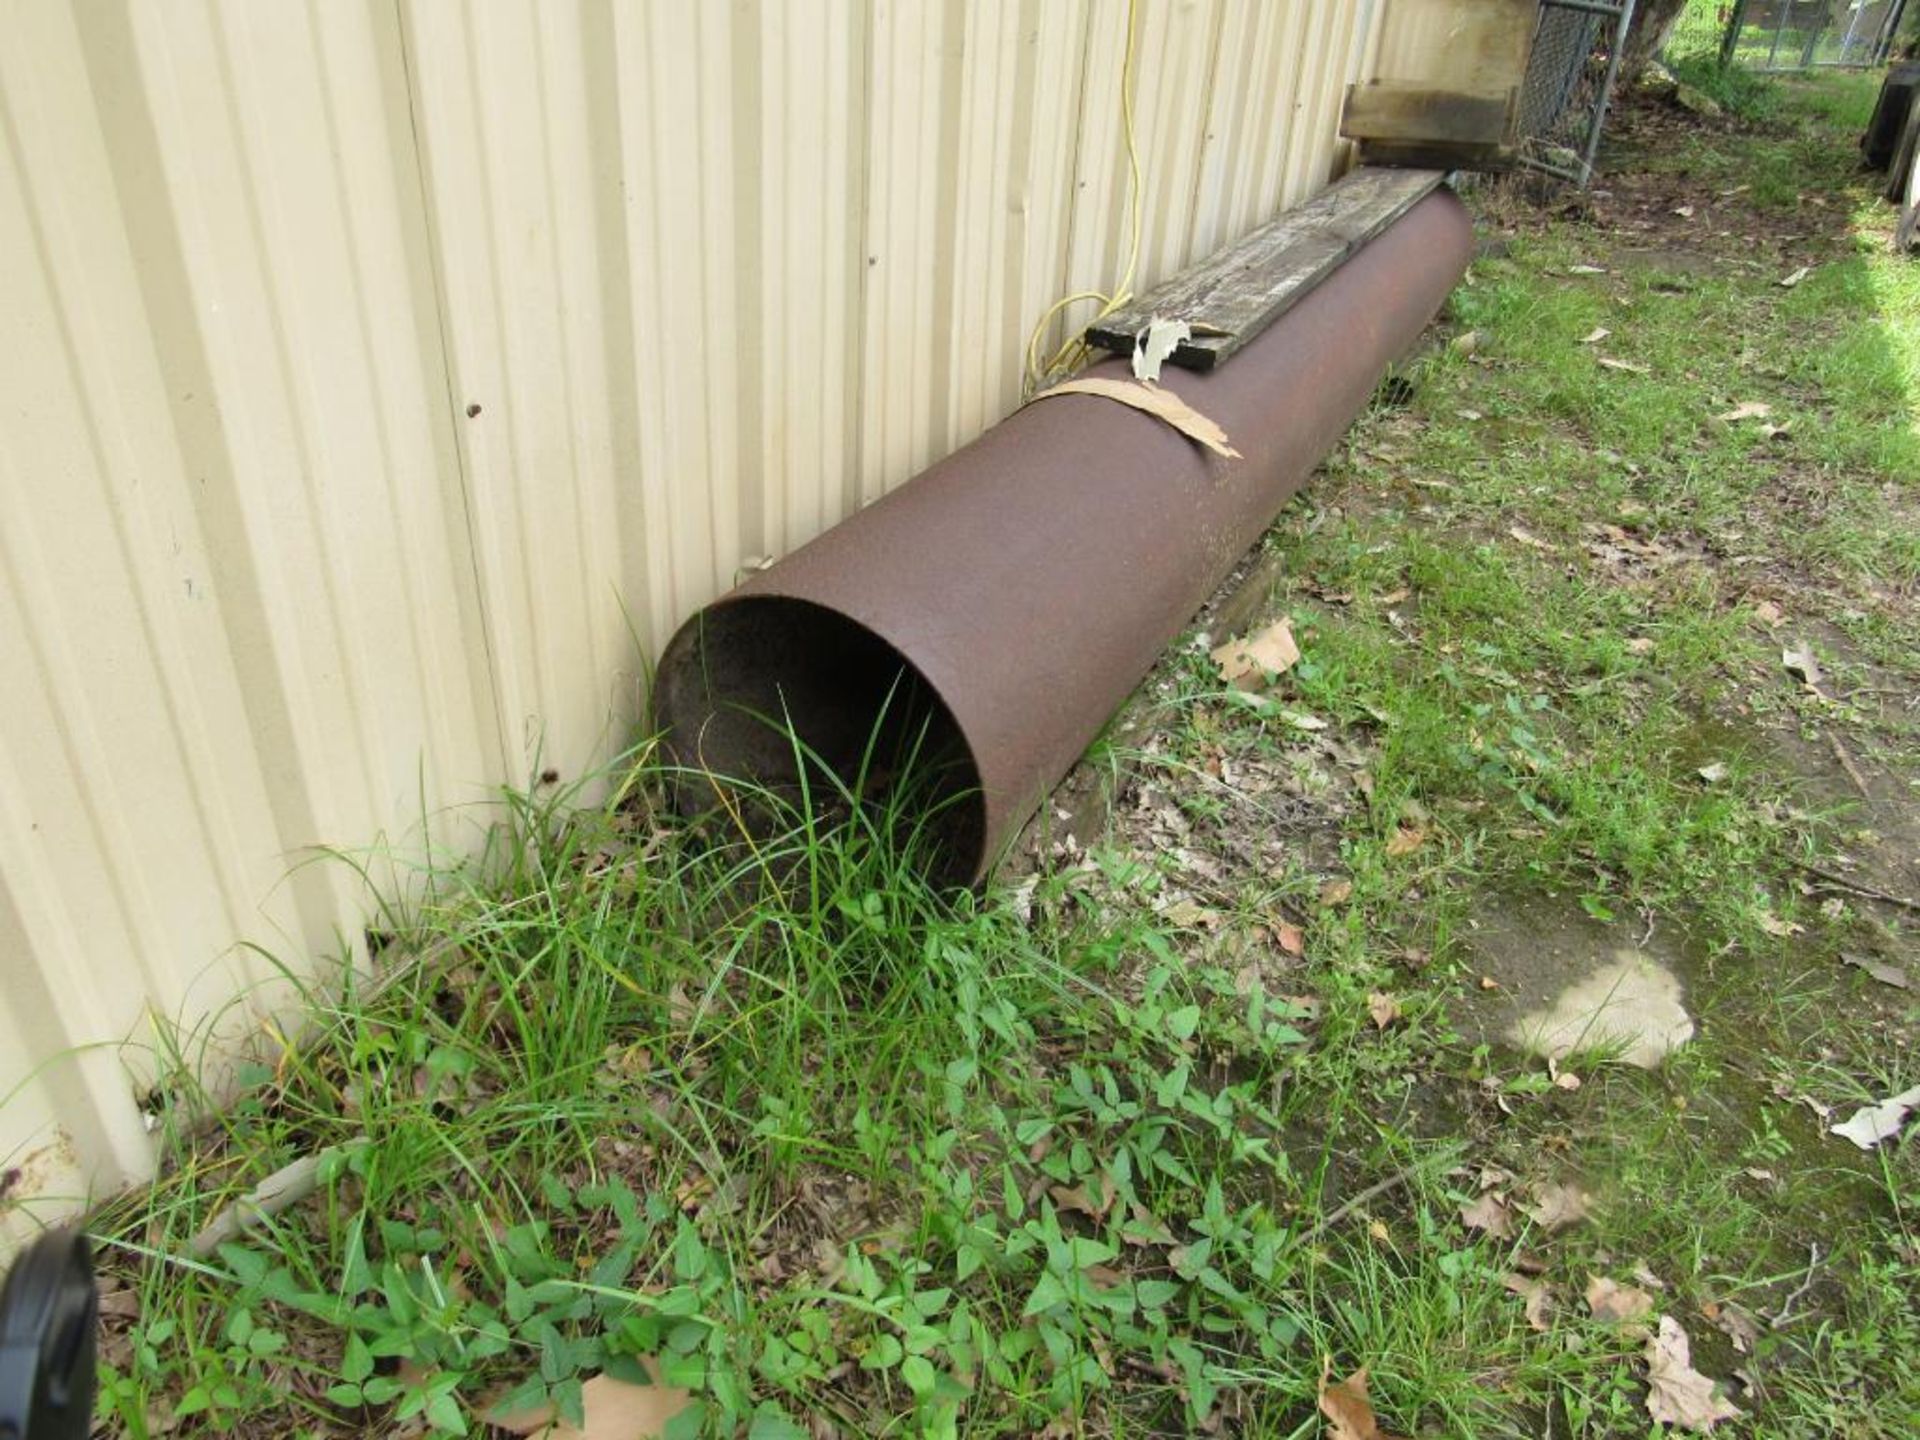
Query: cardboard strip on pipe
{"type": "Point", "coordinates": [997, 608]}
{"type": "Point", "coordinates": [1149, 400]}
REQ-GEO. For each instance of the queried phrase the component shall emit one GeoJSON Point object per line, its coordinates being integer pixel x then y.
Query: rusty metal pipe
{"type": "Point", "coordinates": [1001, 605]}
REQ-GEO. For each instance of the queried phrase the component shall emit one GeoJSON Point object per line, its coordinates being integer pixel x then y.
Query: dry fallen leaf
{"type": "Point", "coordinates": [1247, 663]}
{"type": "Point", "coordinates": [1538, 1296]}
{"type": "Point", "coordinates": [1713, 774]}
{"type": "Point", "coordinates": [1768, 613]}
{"type": "Point", "coordinates": [1151, 400]}
{"type": "Point", "coordinates": [1490, 1213]}
{"type": "Point", "coordinates": [1612, 1303]}
{"type": "Point", "coordinates": [1190, 914]}
{"type": "Point", "coordinates": [613, 1410]}
{"type": "Point", "coordinates": [1527, 537]}
{"type": "Point", "coordinates": [1289, 937]}
{"type": "Point", "coordinates": [1734, 1322]}
{"type": "Point", "coordinates": [1627, 366]}
{"type": "Point", "coordinates": [1558, 1205]}
{"type": "Point", "coordinates": [1349, 1414]}
{"type": "Point", "coordinates": [1465, 343]}
{"type": "Point", "coordinates": [1336, 892]}
{"type": "Point", "coordinates": [1746, 410]}
{"type": "Point", "coordinates": [1395, 597]}
{"type": "Point", "coordinates": [1405, 840]}
{"type": "Point", "coordinates": [1077, 1198]}
{"type": "Point", "coordinates": [1685, 212]}
{"type": "Point", "coordinates": [1787, 282]}
{"type": "Point", "coordinates": [1384, 1008]}
{"type": "Point", "coordinates": [1586, 270]}
{"type": "Point", "coordinates": [1595, 335]}
{"type": "Point", "coordinates": [1678, 1394]}
{"type": "Point", "coordinates": [1871, 1124]}
{"type": "Point", "coordinates": [1784, 929]}
{"type": "Point", "coordinates": [1640, 645]}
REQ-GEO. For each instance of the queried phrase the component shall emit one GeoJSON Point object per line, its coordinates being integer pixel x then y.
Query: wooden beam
{"type": "Point", "coordinates": [1402, 113]}
{"type": "Point", "coordinates": [1236, 294]}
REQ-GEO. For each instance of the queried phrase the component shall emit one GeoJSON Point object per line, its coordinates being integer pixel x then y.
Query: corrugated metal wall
{"type": "Point", "coordinates": [382, 382]}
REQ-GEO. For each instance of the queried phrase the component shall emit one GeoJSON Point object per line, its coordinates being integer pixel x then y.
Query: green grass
{"type": "Point", "coordinates": [1131, 1147]}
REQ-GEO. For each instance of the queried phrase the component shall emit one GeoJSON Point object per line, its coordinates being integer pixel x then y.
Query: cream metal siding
{"type": "Point", "coordinates": [383, 382]}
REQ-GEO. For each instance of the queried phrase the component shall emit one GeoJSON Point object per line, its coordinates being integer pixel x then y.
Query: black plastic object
{"type": "Point", "coordinates": [1890, 112]}
{"type": "Point", "coordinates": [48, 1312]}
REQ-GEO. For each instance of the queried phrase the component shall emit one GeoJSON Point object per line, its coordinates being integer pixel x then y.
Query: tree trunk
{"type": "Point", "coordinates": [1652, 22]}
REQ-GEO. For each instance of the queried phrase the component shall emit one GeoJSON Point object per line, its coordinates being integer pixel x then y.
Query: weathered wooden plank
{"type": "Point", "coordinates": [1402, 113]}
{"type": "Point", "coordinates": [1236, 294]}
{"type": "Point", "coordinates": [1472, 47]}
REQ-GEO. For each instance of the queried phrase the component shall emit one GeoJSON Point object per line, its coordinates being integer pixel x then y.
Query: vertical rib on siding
{"type": "Point", "coordinates": [384, 383]}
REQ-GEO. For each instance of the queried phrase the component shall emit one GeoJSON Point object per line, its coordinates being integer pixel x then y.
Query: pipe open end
{"type": "Point", "coordinates": [791, 704]}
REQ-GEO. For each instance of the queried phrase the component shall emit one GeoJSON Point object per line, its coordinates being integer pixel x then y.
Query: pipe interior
{"type": "Point", "coordinates": [751, 676]}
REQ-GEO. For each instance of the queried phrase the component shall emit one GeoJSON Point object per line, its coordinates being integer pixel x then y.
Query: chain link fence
{"type": "Point", "coordinates": [1570, 74]}
{"type": "Point", "coordinates": [1775, 35]}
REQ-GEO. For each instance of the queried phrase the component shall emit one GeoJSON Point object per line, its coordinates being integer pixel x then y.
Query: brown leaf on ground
{"type": "Point", "coordinates": [1384, 1008]}
{"type": "Point", "coordinates": [1734, 1322]}
{"type": "Point", "coordinates": [613, 1410]}
{"type": "Point", "coordinates": [1490, 1213]}
{"type": "Point", "coordinates": [1595, 335]}
{"type": "Point", "coordinates": [1538, 1296]}
{"type": "Point", "coordinates": [119, 1303]}
{"type": "Point", "coordinates": [1405, 840]}
{"type": "Point", "coordinates": [1078, 1197]}
{"type": "Point", "coordinates": [1678, 1394]}
{"type": "Point", "coordinates": [1557, 1206]}
{"type": "Point", "coordinates": [1612, 1303]}
{"type": "Point", "coordinates": [1248, 663]}
{"type": "Point", "coordinates": [1336, 892]}
{"type": "Point", "coordinates": [1784, 929]}
{"type": "Point", "coordinates": [1746, 410]}
{"type": "Point", "coordinates": [1348, 1411]}
{"type": "Point", "coordinates": [1769, 614]}
{"type": "Point", "coordinates": [1191, 915]}
{"type": "Point", "coordinates": [1628, 366]}
{"type": "Point", "coordinates": [1289, 937]}
{"type": "Point", "coordinates": [1527, 537]}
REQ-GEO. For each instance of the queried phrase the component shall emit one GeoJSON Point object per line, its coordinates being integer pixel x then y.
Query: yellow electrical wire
{"type": "Point", "coordinates": [1073, 352]}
